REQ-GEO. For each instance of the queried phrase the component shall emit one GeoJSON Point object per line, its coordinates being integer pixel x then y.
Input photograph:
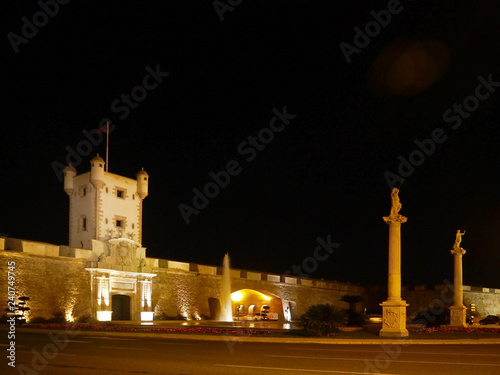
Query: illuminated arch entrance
{"type": "Point", "coordinates": [251, 304]}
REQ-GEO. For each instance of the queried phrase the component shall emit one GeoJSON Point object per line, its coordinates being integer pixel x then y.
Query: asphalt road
{"type": "Point", "coordinates": [38, 353]}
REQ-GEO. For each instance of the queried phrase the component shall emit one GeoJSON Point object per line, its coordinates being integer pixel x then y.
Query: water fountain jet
{"type": "Point", "coordinates": [226, 304]}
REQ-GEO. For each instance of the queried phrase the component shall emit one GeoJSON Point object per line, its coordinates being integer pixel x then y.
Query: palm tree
{"type": "Point", "coordinates": [323, 319]}
{"type": "Point", "coordinates": [352, 300]}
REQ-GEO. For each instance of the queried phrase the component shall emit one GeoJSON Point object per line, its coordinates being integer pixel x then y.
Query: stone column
{"type": "Point", "coordinates": [394, 308]}
{"type": "Point", "coordinates": [458, 310]}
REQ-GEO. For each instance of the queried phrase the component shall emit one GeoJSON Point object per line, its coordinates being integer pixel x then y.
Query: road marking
{"type": "Point", "coordinates": [402, 352]}
{"type": "Point", "coordinates": [298, 369]}
{"type": "Point", "coordinates": [393, 360]}
{"type": "Point", "coordinates": [79, 341]}
{"type": "Point", "coordinates": [107, 338]}
{"type": "Point", "coordinates": [122, 348]}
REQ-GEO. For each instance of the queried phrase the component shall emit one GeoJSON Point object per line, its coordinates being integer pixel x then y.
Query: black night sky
{"type": "Point", "coordinates": [322, 174]}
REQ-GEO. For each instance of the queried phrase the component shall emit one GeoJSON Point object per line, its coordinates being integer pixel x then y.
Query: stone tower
{"type": "Point", "coordinates": [104, 206]}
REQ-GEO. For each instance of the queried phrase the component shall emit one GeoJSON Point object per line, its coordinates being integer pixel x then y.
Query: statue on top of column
{"type": "Point", "coordinates": [396, 204]}
{"type": "Point", "coordinates": [458, 239]}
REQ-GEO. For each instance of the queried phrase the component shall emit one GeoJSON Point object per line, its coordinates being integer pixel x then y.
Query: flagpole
{"type": "Point", "coordinates": [107, 145]}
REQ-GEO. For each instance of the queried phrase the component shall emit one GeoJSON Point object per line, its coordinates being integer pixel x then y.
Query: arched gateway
{"type": "Point", "coordinates": [251, 304]}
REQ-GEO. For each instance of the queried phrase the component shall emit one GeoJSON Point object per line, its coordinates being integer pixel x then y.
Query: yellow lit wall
{"type": "Point", "coordinates": [248, 297]}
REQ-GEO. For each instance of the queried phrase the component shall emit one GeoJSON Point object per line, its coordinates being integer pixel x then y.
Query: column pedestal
{"type": "Point", "coordinates": [457, 316]}
{"type": "Point", "coordinates": [394, 319]}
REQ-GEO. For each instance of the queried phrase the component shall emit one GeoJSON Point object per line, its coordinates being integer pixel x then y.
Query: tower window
{"type": "Point", "coordinates": [82, 191]}
{"type": "Point", "coordinates": [82, 224]}
{"type": "Point", "coordinates": [120, 221]}
{"type": "Point", "coordinates": [120, 192]}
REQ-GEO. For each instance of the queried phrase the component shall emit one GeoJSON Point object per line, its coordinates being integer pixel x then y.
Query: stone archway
{"type": "Point", "coordinates": [248, 303]}
{"type": "Point", "coordinates": [120, 305]}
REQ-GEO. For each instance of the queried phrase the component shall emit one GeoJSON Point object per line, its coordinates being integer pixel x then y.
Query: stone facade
{"type": "Point", "coordinates": [62, 279]}
{"type": "Point", "coordinates": [485, 300]}
{"type": "Point", "coordinates": [55, 284]}
{"type": "Point", "coordinates": [179, 291]}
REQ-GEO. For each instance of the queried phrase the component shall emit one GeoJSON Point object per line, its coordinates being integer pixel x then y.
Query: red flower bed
{"type": "Point", "coordinates": [457, 329]}
{"type": "Point", "coordinates": [203, 330]}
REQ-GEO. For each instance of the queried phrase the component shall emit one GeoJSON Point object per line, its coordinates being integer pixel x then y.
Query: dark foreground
{"type": "Point", "coordinates": [38, 353]}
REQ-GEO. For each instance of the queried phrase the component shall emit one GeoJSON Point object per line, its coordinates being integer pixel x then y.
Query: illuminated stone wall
{"type": "Point", "coordinates": [487, 300]}
{"type": "Point", "coordinates": [55, 279]}
{"type": "Point", "coordinates": [53, 284]}
{"type": "Point", "coordinates": [184, 289]}
{"type": "Point", "coordinates": [177, 292]}
{"type": "Point", "coordinates": [303, 295]}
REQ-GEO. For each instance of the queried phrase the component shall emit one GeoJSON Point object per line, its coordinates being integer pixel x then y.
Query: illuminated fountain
{"type": "Point", "coordinates": [225, 300]}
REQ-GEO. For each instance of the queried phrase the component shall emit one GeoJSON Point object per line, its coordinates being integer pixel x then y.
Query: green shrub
{"type": "Point", "coordinates": [58, 317]}
{"type": "Point", "coordinates": [324, 320]}
{"type": "Point", "coordinates": [164, 316]}
{"type": "Point", "coordinates": [86, 319]}
{"type": "Point", "coordinates": [38, 320]}
{"type": "Point", "coordinates": [434, 316]}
